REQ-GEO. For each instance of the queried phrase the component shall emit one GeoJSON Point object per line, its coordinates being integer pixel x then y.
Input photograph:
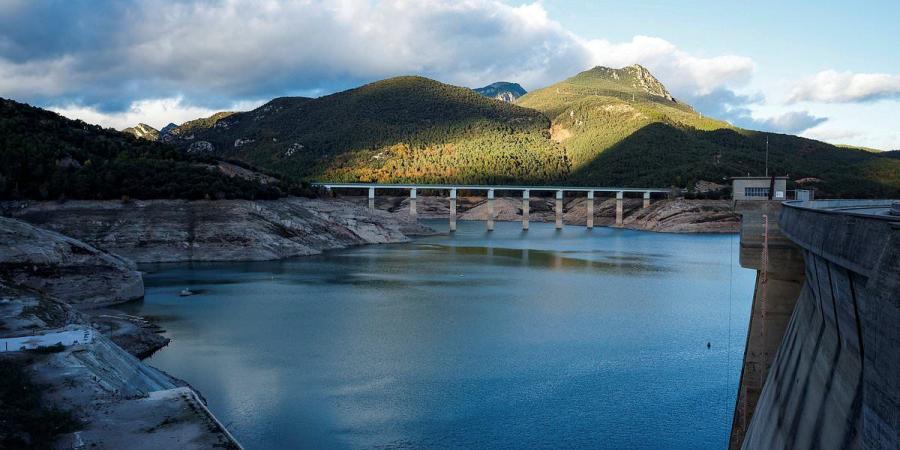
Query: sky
{"type": "Point", "coordinates": [823, 69]}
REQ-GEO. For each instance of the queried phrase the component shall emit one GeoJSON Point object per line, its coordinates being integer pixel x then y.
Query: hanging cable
{"type": "Point", "coordinates": [728, 345]}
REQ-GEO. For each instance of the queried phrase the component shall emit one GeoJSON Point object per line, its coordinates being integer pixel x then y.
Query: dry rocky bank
{"type": "Point", "coordinates": [52, 281]}
{"type": "Point", "coordinates": [669, 216]}
{"type": "Point", "coordinates": [221, 230]}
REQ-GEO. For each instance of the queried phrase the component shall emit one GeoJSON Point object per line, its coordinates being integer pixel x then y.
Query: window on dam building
{"type": "Point", "coordinates": [756, 192]}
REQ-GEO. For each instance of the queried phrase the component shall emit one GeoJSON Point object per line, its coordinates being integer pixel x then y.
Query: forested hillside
{"type": "Point", "coordinates": [187, 130]}
{"type": "Point", "coordinates": [46, 156]}
{"type": "Point", "coordinates": [400, 129]}
{"type": "Point", "coordinates": [609, 127]}
{"type": "Point", "coordinates": [621, 127]}
{"type": "Point", "coordinates": [601, 127]}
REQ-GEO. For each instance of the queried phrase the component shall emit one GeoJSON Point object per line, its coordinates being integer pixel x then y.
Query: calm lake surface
{"type": "Point", "coordinates": [541, 339]}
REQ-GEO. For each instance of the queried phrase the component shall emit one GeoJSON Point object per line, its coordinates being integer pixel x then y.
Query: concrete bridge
{"type": "Point", "coordinates": [525, 190]}
{"type": "Point", "coordinates": [822, 362]}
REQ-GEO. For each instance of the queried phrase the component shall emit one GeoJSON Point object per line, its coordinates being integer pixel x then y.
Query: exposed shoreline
{"type": "Point", "coordinates": [54, 284]}
{"type": "Point", "coordinates": [146, 231]}
{"type": "Point", "coordinates": [666, 216]}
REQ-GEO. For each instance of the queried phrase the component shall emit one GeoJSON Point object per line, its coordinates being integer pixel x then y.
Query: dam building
{"type": "Point", "coordinates": [758, 188]}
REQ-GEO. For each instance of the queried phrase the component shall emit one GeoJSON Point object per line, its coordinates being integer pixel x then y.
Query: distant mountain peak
{"type": "Point", "coordinates": [143, 131]}
{"type": "Point", "coordinates": [639, 77]}
{"type": "Point", "coordinates": [168, 128]}
{"type": "Point", "coordinates": [502, 90]}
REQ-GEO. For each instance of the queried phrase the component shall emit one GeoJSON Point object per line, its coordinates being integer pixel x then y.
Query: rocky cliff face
{"type": "Point", "coordinates": [648, 82]}
{"type": "Point", "coordinates": [143, 131]}
{"type": "Point", "coordinates": [65, 268]}
{"type": "Point", "coordinates": [224, 230]}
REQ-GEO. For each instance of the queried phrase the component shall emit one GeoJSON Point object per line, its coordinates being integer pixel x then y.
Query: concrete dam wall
{"type": "Point", "coordinates": [835, 378]}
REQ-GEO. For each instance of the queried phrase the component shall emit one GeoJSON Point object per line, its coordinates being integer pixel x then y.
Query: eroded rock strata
{"type": "Point", "coordinates": [669, 216]}
{"type": "Point", "coordinates": [224, 230]}
{"type": "Point", "coordinates": [63, 267]}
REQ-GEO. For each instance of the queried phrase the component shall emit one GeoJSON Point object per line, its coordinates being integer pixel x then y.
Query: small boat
{"type": "Point", "coordinates": [186, 292]}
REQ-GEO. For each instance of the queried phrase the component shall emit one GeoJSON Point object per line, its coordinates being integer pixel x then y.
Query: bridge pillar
{"type": "Point", "coordinates": [619, 196]}
{"type": "Point", "coordinates": [526, 199]}
{"type": "Point", "coordinates": [646, 199]}
{"type": "Point", "coordinates": [371, 198]}
{"type": "Point", "coordinates": [412, 203]}
{"type": "Point", "coordinates": [559, 209]}
{"type": "Point", "coordinates": [590, 209]}
{"type": "Point", "coordinates": [453, 209]}
{"type": "Point", "coordinates": [490, 205]}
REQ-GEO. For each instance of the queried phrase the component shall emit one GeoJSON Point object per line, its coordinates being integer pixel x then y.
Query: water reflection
{"type": "Point", "coordinates": [554, 339]}
{"type": "Point", "coordinates": [558, 260]}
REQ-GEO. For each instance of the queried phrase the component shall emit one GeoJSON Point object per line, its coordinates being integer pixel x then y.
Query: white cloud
{"type": "Point", "coordinates": [238, 49]}
{"type": "Point", "coordinates": [840, 134]}
{"type": "Point", "coordinates": [790, 122]}
{"type": "Point", "coordinates": [41, 77]}
{"type": "Point", "coordinates": [831, 86]}
{"type": "Point", "coordinates": [156, 113]}
{"type": "Point", "coordinates": [156, 61]}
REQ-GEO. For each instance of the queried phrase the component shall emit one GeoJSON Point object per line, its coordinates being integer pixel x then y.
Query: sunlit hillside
{"type": "Point", "coordinates": [399, 129]}
{"type": "Point", "coordinates": [621, 127]}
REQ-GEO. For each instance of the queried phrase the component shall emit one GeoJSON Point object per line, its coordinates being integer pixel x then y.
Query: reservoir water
{"type": "Point", "coordinates": [510, 339]}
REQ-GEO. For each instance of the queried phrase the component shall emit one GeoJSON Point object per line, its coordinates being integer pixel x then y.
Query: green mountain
{"type": "Point", "coordinates": [46, 156]}
{"type": "Point", "coordinates": [618, 127]}
{"type": "Point", "coordinates": [622, 127]}
{"type": "Point", "coordinates": [614, 127]}
{"type": "Point", "coordinates": [502, 90]}
{"type": "Point", "coordinates": [399, 129]}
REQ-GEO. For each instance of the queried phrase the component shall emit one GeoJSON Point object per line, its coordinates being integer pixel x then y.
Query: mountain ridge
{"type": "Point", "coordinates": [622, 126]}
{"type": "Point", "coordinates": [602, 126]}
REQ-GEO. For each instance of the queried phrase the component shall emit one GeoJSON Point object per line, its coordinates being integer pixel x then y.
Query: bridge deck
{"type": "Point", "coordinates": [481, 187]}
